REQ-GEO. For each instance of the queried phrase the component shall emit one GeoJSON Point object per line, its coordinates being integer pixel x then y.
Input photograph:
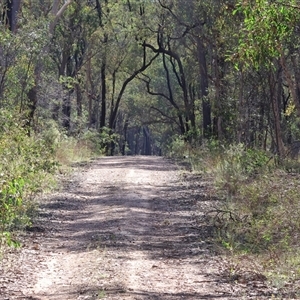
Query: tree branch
{"type": "Point", "coordinates": [144, 66]}
{"type": "Point", "coordinates": [164, 115]}
{"type": "Point", "coordinates": [149, 90]}
{"type": "Point", "coordinates": [57, 13]}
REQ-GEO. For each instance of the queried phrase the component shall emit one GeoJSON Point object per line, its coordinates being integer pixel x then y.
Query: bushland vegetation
{"type": "Point", "coordinates": [216, 82]}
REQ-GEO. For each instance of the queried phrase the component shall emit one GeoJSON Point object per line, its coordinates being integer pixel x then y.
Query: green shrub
{"type": "Point", "coordinates": [178, 148]}
{"type": "Point", "coordinates": [263, 218]}
{"type": "Point", "coordinates": [237, 165]}
{"type": "Point", "coordinates": [25, 163]}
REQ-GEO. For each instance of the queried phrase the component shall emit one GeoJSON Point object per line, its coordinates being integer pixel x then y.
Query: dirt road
{"type": "Point", "coordinates": [124, 228]}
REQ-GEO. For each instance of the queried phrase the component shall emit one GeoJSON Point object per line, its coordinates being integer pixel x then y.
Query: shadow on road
{"type": "Point", "coordinates": [158, 217]}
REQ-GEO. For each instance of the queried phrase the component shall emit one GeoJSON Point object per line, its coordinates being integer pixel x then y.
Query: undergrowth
{"type": "Point", "coordinates": [29, 164]}
{"type": "Point", "coordinates": [26, 163]}
{"type": "Point", "coordinates": [259, 209]}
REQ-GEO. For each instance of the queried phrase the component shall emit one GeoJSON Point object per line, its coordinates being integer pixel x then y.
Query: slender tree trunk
{"type": "Point", "coordinates": [261, 126]}
{"type": "Point", "coordinates": [32, 97]}
{"type": "Point", "coordinates": [219, 95]}
{"type": "Point", "coordinates": [275, 108]}
{"type": "Point", "coordinates": [137, 141]}
{"type": "Point", "coordinates": [91, 94]}
{"type": "Point", "coordinates": [147, 141]}
{"type": "Point", "coordinates": [180, 75]}
{"type": "Point", "coordinates": [79, 100]}
{"type": "Point", "coordinates": [66, 110]}
{"type": "Point", "coordinates": [103, 95]}
{"type": "Point", "coordinates": [57, 13]}
{"type": "Point", "coordinates": [171, 98]}
{"type": "Point", "coordinates": [115, 109]}
{"type": "Point", "coordinates": [206, 107]}
{"type": "Point", "coordinates": [125, 129]}
{"type": "Point", "coordinates": [241, 111]}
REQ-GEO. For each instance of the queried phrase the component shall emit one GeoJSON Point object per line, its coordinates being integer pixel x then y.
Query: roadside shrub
{"type": "Point", "coordinates": [263, 218]}
{"type": "Point", "coordinates": [70, 149]}
{"type": "Point", "coordinates": [25, 162]}
{"type": "Point", "coordinates": [237, 165]}
{"type": "Point", "coordinates": [178, 148]}
{"type": "Point", "coordinates": [200, 158]}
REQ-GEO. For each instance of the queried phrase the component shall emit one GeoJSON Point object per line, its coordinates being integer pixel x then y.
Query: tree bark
{"type": "Point", "coordinates": [79, 100]}
{"type": "Point", "coordinates": [241, 111]}
{"type": "Point", "coordinates": [274, 94]}
{"type": "Point", "coordinates": [147, 141]}
{"type": "Point", "coordinates": [57, 13]}
{"type": "Point", "coordinates": [293, 84]}
{"type": "Point", "coordinates": [206, 107]}
{"type": "Point", "coordinates": [11, 14]}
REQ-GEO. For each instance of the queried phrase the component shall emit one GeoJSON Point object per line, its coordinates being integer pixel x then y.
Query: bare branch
{"type": "Point", "coordinates": [149, 89]}
{"type": "Point", "coordinates": [57, 13]}
{"type": "Point", "coordinates": [165, 115]}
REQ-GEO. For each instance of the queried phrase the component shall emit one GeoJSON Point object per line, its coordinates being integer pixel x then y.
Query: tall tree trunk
{"type": "Point", "coordinates": [261, 126]}
{"type": "Point", "coordinates": [33, 92]}
{"type": "Point", "coordinates": [90, 88]}
{"type": "Point", "coordinates": [171, 98]}
{"type": "Point", "coordinates": [147, 141]}
{"type": "Point", "coordinates": [137, 141]}
{"type": "Point", "coordinates": [79, 100]}
{"type": "Point", "coordinates": [219, 95]}
{"type": "Point", "coordinates": [206, 107]}
{"type": "Point", "coordinates": [115, 109]}
{"type": "Point", "coordinates": [66, 110]}
{"type": "Point", "coordinates": [274, 94]}
{"type": "Point", "coordinates": [241, 112]}
{"type": "Point", "coordinates": [293, 82]}
{"type": "Point", "coordinates": [57, 13]}
{"type": "Point", "coordinates": [32, 95]}
{"type": "Point", "coordinates": [125, 129]}
{"type": "Point", "coordinates": [11, 14]}
{"type": "Point", "coordinates": [103, 95]}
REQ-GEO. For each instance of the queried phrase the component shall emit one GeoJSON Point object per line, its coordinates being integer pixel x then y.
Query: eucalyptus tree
{"type": "Point", "coordinates": [117, 55]}
{"type": "Point", "coordinates": [187, 40]}
{"type": "Point", "coordinates": [267, 40]}
{"type": "Point", "coordinates": [169, 42]}
{"type": "Point", "coordinates": [68, 50]}
{"type": "Point", "coordinates": [26, 32]}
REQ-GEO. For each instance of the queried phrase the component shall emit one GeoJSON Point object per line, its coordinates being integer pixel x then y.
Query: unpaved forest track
{"type": "Point", "coordinates": [125, 228]}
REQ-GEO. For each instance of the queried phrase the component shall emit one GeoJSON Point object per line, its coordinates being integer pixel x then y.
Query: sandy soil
{"type": "Point", "coordinates": [124, 228]}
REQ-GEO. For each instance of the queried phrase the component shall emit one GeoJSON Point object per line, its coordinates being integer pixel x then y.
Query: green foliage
{"type": "Point", "coordinates": [26, 161]}
{"type": "Point", "coordinates": [200, 158]}
{"type": "Point", "coordinates": [260, 213]}
{"type": "Point", "coordinates": [69, 150]}
{"type": "Point", "coordinates": [106, 137]}
{"type": "Point", "coordinates": [178, 148]}
{"type": "Point", "coordinates": [263, 215]}
{"type": "Point", "coordinates": [68, 82]}
{"type": "Point", "coordinates": [237, 165]}
{"type": "Point", "coordinates": [266, 26]}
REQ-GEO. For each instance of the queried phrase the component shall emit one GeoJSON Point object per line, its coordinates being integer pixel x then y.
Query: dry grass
{"type": "Point", "coordinates": [259, 215]}
{"type": "Point", "coordinates": [71, 151]}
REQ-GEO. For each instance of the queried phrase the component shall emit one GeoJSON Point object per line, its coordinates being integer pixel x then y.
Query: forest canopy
{"type": "Point", "coordinates": [144, 73]}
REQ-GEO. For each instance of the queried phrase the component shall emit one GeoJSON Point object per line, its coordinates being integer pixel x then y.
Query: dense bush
{"type": "Point", "coordinates": [258, 213]}
{"type": "Point", "coordinates": [238, 165]}
{"type": "Point", "coordinates": [26, 161]}
{"type": "Point", "coordinates": [259, 209]}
